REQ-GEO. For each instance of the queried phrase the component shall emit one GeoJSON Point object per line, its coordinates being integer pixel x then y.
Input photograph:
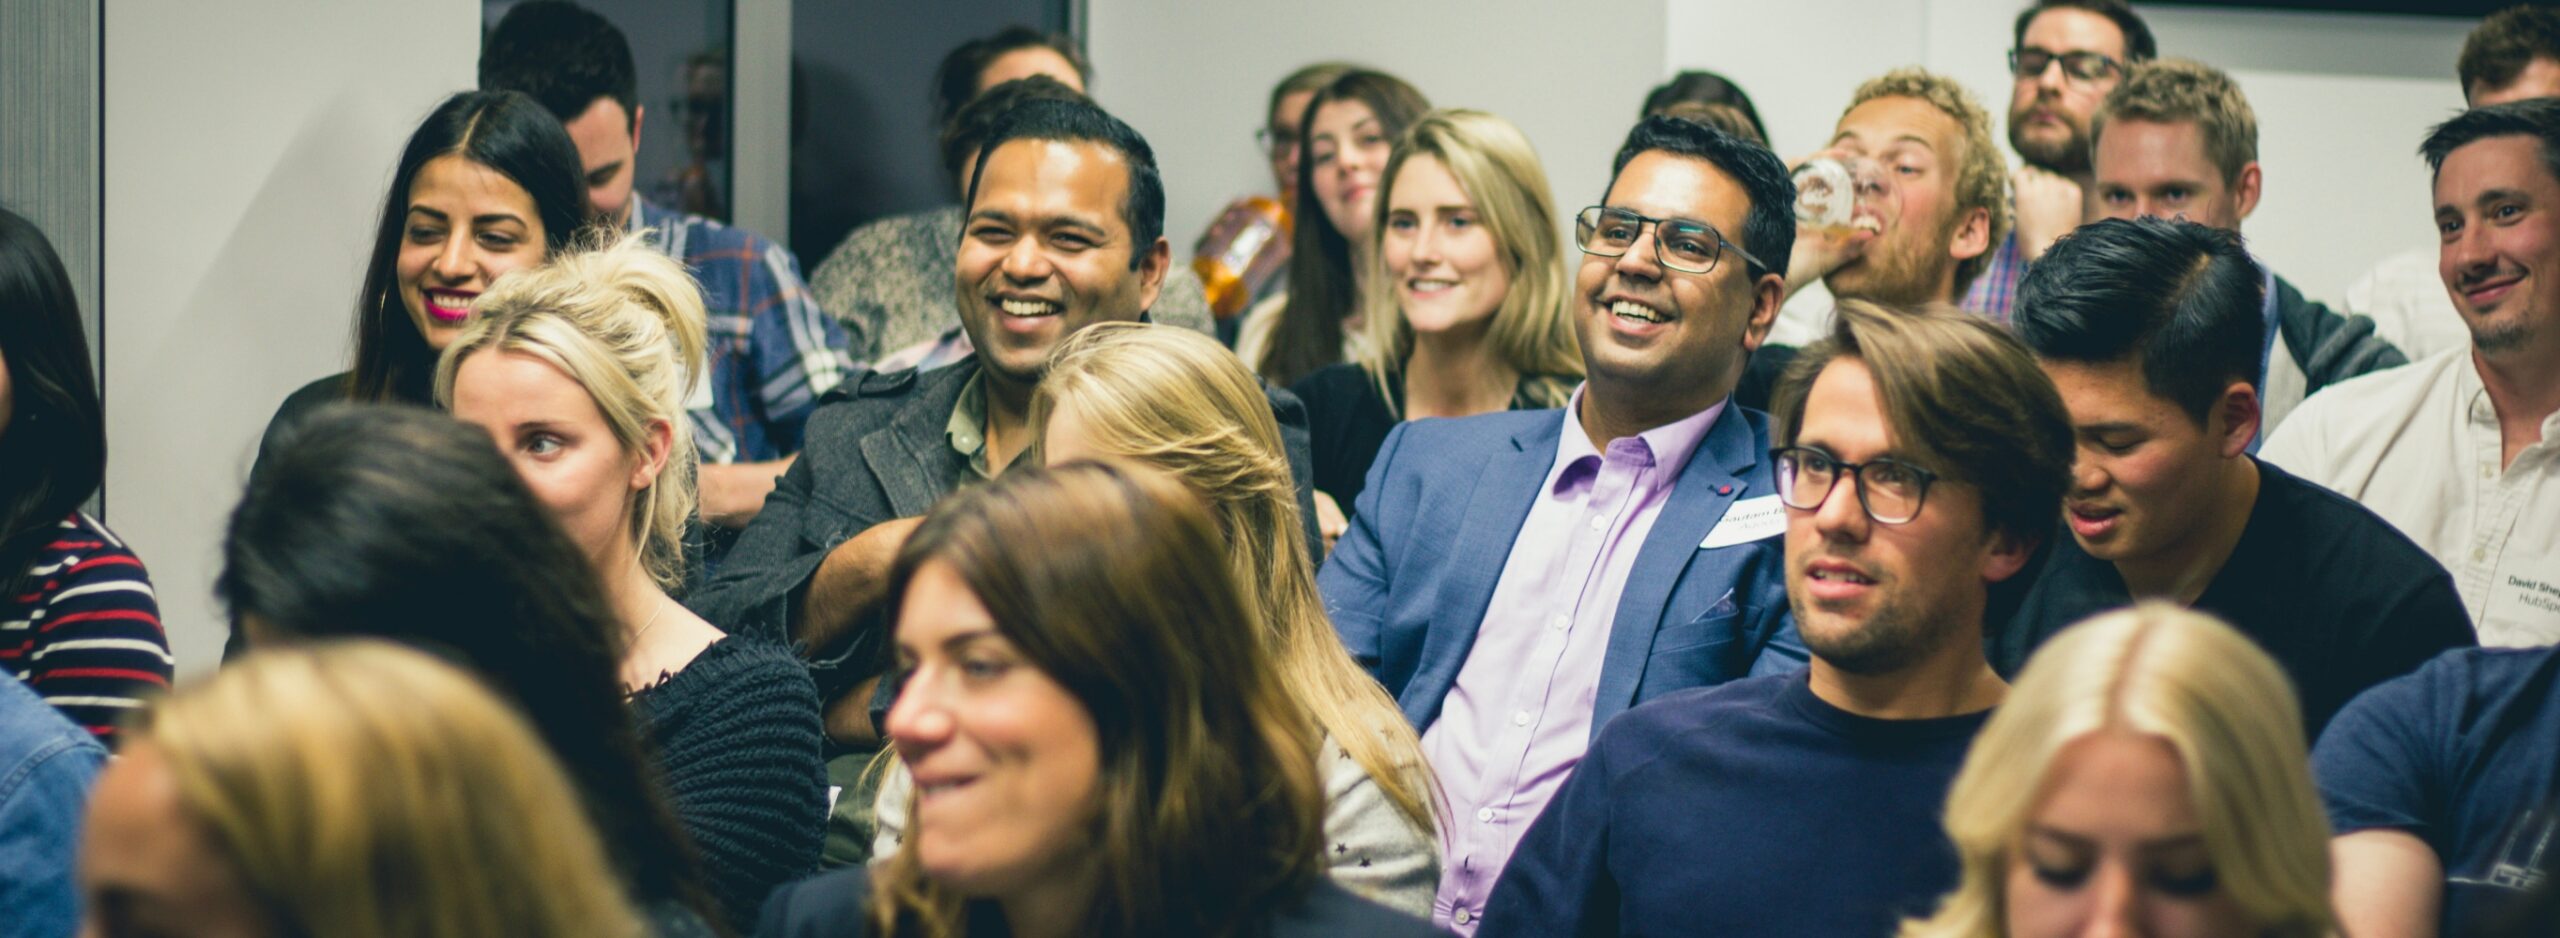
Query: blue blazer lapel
{"type": "Point", "coordinates": [1504, 492]}
{"type": "Point", "coordinates": [1708, 485]}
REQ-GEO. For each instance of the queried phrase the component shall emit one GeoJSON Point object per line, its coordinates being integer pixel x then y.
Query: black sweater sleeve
{"type": "Point", "coordinates": [738, 738]}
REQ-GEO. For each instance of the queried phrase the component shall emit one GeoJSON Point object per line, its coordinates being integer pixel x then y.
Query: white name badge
{"type": "Point", "coordinates": [1748, 520]}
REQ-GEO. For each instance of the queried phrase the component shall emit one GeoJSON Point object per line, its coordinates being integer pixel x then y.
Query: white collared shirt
{"type": "Point", "coordinates": [2420, 446]}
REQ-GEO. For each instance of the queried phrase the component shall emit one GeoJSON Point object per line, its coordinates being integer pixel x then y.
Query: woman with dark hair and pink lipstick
{"type": "Point", "coordinates": [488, 184]}
{"type": "Point", "coordinates": [1463, 310]}
{"type": "Point", "coordinates": [1349, 128]}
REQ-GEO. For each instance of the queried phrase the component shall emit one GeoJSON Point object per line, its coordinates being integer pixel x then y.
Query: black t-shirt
{"type": "Point", "coordinates": [2462, 756]}
{"type": "Point", "coordinates": [1348, 420]}
{"type": "Point", "coordinates": [1748, 808]}
{"type": "Point", "coordinates": [2340, 598]}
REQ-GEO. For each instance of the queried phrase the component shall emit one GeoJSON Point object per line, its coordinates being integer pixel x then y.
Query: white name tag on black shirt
{"type": "Point", "coordinates": [1748, 520]}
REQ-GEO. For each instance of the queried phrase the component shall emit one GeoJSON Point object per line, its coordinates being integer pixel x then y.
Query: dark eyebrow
{"type": "Point", "coordinates": [494, 217]}
{"type": "Point", "coordinates": [2097, 429]}
{"type": "Point", "coordinates": [423, 210]}
{"type": "Point", "coordinates": [956, 642]}
{"type": "Point", "coordinates": [606, 170]}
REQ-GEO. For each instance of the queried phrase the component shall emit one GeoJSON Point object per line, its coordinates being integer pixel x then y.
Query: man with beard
{"type": "Point", "coordinates": [1930, 238]}
{"type": "Point", "coordinates": [2066, 55]}
{"type": "Point", "coordinates": [2178, 140]}
{"type": "Point", "coordinates": [1923, 456]}
{"type": "Point", "coordinates": [2461, 450]}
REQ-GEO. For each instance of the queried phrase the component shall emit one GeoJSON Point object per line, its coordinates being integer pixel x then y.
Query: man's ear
{"type": "Point", "coordinates": [2009, 554]}
{"type": "Point", "coordinates": [2246, 190]}
{"type": "Point", "coordinates": [2235, 415]}
{"type": "Point", "coordinates": [1152, 268]}
{"type": "Point", "coordinates": [638, 111]}
{"type": "Point", "coordinates": [1768, 294]}
{"type": "Point", "coordinates": [1973, 235]}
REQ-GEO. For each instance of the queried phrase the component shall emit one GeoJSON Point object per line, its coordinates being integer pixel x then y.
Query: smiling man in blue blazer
{"type": "Point", "coordinates": [1516, 579]}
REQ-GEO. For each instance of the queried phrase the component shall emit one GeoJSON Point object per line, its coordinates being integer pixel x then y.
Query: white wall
{"type": "Point", "coordinates": [2341, 100]}
{"type": "Point", "coordinates": [1194, 78]}
{"type": "Point", "coordinates": [246, 149]}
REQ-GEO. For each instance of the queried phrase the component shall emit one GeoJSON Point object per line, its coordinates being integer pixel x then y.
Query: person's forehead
{"type": "Point", "coordinates": [2508, 161]}
{"type": "Point", "coordinates": [2540, 78]}
{"type": "Point", "coordinates": [1664, 184]}
{"type": "Point", "coordinates": [1291, 107]}
{"type": "Point", "coordinates": [2145, 147]}
{"type": "Point", "coordinates": [2070, 29]}
{"type": "Point", "coordinates": [1083, 174]}
{"type": "Point", "coordinates": [1882, 122]}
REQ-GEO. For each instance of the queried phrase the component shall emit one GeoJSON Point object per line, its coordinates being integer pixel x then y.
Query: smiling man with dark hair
{"type": "Point", "coordinates": [1621, 548]}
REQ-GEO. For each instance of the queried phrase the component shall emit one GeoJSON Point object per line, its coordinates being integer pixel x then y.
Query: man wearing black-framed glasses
{"type": "Point", "coordinates": [1619, 549]}
{"type": "Point", "coordinates": [2064, 56]}
{"type": "Point", "coordinates": [1921, 457]}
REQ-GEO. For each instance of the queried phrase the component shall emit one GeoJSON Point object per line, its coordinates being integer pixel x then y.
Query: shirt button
{"type": "Point", "coordinates": [1560, 623]}
{"type": "Point", "coordinates": [1600, 524]}
{"type": "Point", "coordinates": [1485, 815]}
{"type": "Point", "coordinates": [2488, 472]}
{"type": "Point", "coordinates": [1522, 718]}
{"type": "Point", "coordinates": [1462, 917]}
{"type": "Point", "coordinates": [2479, 554]}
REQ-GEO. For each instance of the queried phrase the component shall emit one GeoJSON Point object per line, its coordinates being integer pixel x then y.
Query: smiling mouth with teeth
{"type": "Point", "coordinates": [1841, 576]}
{"type": "Point", "coordinates": [1028, 309]}
{"type": "Point", "coordinates": [1629, 309]}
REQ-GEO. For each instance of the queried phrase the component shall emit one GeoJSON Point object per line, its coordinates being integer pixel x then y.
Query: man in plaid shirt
{"type": "Point", "coordinates": [773, 351]}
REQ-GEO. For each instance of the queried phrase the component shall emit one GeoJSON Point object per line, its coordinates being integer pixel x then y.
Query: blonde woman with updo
{"type": "Point", "coordinates": [1176, 401]}
{"type": "Point", "coordinates": [579, 369]}
{"type": "Point", "coordinates": [2146, 776]}
{"type": "Point", "coordinates": [352, 789]}
{"type": "Point", "coordinates": [1463, 306]}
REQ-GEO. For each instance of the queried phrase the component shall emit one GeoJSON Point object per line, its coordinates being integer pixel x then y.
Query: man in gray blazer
{"type": "Point", "coordinates": [1064, 230]}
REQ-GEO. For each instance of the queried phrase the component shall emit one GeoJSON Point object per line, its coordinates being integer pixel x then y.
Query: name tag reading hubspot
{"type": "Point", "coordinates": [1748, 520]}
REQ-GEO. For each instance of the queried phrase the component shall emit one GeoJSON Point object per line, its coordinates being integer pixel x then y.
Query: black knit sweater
{"type": "Point", "coordinates": [738, 735]}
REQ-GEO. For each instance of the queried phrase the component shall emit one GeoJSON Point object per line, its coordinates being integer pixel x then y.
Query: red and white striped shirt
{"type": "Point", "coordinates": [87, 637]}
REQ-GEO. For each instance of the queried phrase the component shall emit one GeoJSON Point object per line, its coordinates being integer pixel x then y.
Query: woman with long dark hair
{"type": "Point", "coordinates": [402, 523]}
{"type": "Point", "coordinates": [489, 183]}
{"type": "Point", "coordinates": [78, 621]}
{"type": "Point", "coordinates": [1350, 128]}
{"type": "Point", "coordinates": [1097, 749]}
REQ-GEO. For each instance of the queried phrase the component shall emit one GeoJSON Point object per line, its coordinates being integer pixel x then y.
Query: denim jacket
{"type": "Point", "coordinates": [46, 765]}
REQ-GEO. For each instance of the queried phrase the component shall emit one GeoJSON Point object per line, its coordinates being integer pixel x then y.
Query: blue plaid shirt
{"type": "Point", "coordinates": [1995, 290]}
{"type": "Point", "coordinates": [772, 350]}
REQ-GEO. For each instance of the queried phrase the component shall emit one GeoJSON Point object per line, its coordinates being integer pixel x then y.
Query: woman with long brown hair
{"type": "Point", "coordinates": [1350, 127]}
{"type": "Point", "coordinates": [1096, 749]}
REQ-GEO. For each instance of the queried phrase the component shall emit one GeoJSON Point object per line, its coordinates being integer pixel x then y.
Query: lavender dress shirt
{"type": "Point", "coordinates": [1519, 716]}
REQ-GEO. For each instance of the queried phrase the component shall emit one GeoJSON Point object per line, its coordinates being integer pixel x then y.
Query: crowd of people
{"type": "Point", "coordinates": [2070, 572]}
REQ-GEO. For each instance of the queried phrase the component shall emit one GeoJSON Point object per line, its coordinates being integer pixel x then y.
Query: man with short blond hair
{"type": "Point", "coordinates": [2178, 140]}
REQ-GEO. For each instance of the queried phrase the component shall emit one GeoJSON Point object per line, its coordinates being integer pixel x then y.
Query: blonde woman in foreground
{"type": "Point", "coordinates": [352, 789]}
{"type": "Point", "coordinates": [1175, 401]}
{"type": "Point", "coordinates": [2148, 776]}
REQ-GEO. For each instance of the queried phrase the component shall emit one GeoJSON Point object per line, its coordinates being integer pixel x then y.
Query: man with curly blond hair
{"type": "Point", "coordinates": [1947, 204]}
